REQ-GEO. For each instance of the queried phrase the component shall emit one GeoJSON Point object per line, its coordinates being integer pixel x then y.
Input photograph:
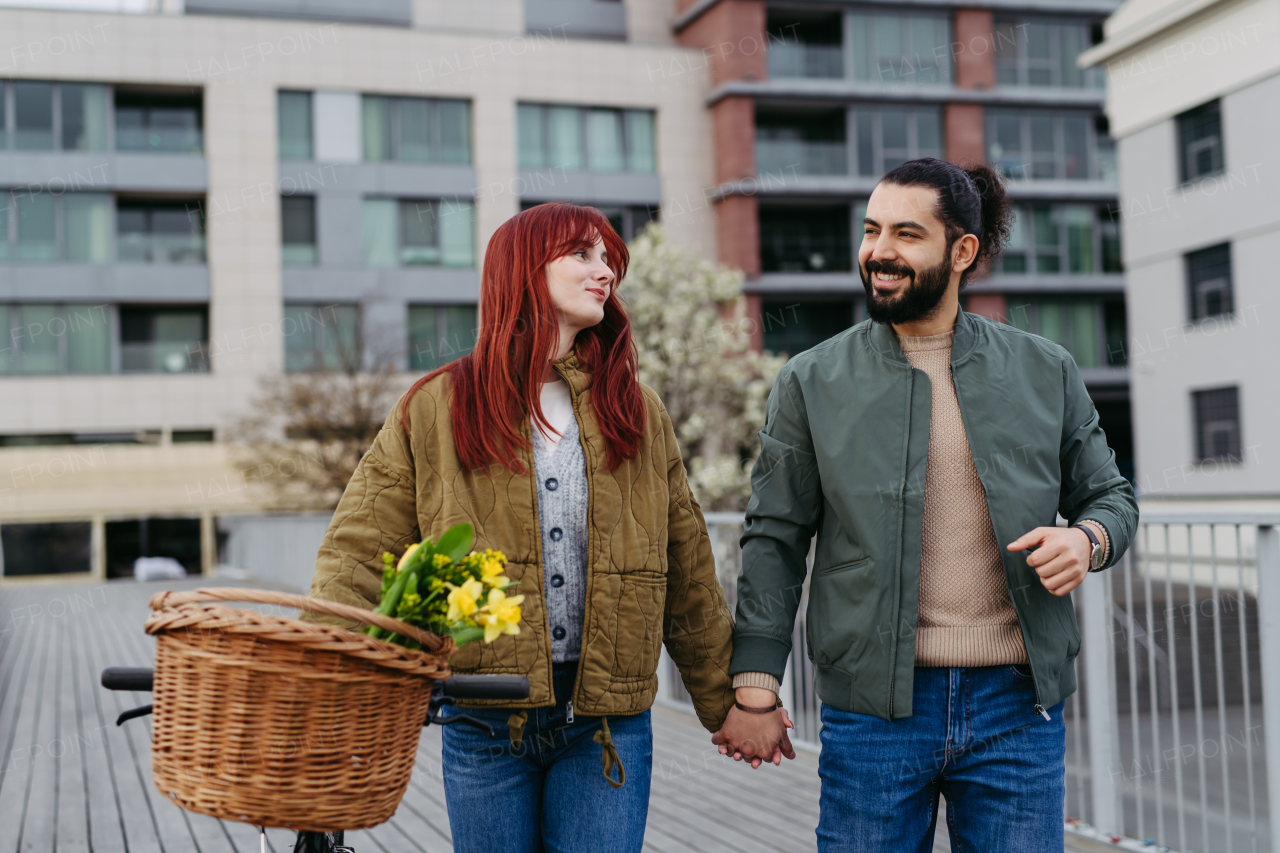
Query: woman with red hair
{"type": "Point", "coordinates": [545, 442]}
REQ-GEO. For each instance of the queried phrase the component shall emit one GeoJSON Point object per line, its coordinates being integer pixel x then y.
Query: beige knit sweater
{"type": "Point", "coordinates": [966, 617]}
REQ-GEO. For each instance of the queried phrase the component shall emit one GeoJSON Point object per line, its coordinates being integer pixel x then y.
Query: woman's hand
{"type": "Point", "coordinates": [756, 737]}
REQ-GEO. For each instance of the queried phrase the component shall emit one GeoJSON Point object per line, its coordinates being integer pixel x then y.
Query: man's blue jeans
{"type": "Point", "coordinates": [550, 794]}
{"type": "Point", "coordinates": [974, 737]}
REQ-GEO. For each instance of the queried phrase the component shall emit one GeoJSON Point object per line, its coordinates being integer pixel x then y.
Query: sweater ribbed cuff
{"type": "Point", "coordinates": [756, 679]}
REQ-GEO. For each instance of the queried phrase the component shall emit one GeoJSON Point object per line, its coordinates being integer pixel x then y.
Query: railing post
{"type": "Point", "coordinates": [1100, 702]}
{"type": "Point", "coordinates": [1268, 550]}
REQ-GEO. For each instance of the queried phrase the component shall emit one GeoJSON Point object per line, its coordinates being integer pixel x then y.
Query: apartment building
{"type": "Point", "coordinates": [208, 193]}
{"type": "Point", "coordinates": [813, 101]}
{"type": "Point", "coordinates": [1192, 95]}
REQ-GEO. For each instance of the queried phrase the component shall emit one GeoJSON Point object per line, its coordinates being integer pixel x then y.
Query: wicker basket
{"type": "Point", "coordinates": [276, 722]}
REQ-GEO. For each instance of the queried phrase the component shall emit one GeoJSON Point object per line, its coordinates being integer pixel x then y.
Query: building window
{"type": "Point", "coordinates": [45, 549]}
{"type": "Point", "coordinates": [73, 227]}
{"type": "Point", "coordinates": [805, 44]}
{"type": "Point", "coordinates": [321, 338]}
{"type": "Point", "coordinates": [298, 230]}
{"type": "Point", "coordinates": [1209, 282]}
{"type": "Point", "coordinates": [888, 137]}
{"type": "Point", "coordinates": [48, 339]}
{"type": "Point", "coordinates": [84, 117]}
{"type": "Point", "coordinates": [1218, 425]}
{"type": "Point", "coordinates": [1200, 142]}
{"type": "Point", "coordinates": [439, 334]}
{"type": "Point", "coordinates": [150, 120]}
{"type": "Point", "coordinates": [164, 338]}
{"type": "Point", "coordinates": [792, 325]}
{"type": "Point", "coordinates": [416, 130]}
{"type": "Point", "coordinates": [1092, 330]}
{"type": "Point", "coordinates": [159, 232]}
{"type": "Point", "coordinates": [590, 138]}
{"type": "Point", "coordinates": [126, 541]}
{"type": "Point", "coordinates": [293, 124]}
{"type": "Point", "coordinates": [803, 142]}
{"type": "Point", "coordinates": [901, 47]}
{"type": "Point", "coordinates": [1073, 239]}
{"type": "Point", "coordinates": [1042, 52]}
{"type": "Point", "coordinates": [805, 238]}
{"type": "Point", "coordinates": [627, 220]}
{"type": "Point", "coordinates": [418, 232]}
{"type": "Point", "coordinates": [1030, 145]}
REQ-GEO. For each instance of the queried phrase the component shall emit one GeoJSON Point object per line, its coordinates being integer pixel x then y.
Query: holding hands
{"type": "Point", "coordinates": [756, 737]}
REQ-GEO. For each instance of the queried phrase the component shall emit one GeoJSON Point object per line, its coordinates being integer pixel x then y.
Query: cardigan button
{"type": "Point", "coordinates": [556, 534]}
{"type": "Point", "coordinates": [558, 633]}
{"type": "Point", "coordinates": [552, 484]}
{"type": "Point", "coordinates": [557, 581]}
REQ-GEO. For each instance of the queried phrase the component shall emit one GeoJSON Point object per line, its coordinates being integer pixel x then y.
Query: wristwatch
{"type": "Point", "coordinates": [1097, 553]}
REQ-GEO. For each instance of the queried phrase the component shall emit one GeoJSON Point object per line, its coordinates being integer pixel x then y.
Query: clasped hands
{"type": "Point", "coordinates": [756, 738]}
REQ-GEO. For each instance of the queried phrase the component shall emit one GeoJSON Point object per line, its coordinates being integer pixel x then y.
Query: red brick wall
{"type": "Point", "coordinates": [731, 36]}
{"type": "Point", "coordinates": [991, 305]}
{"type": "Point", "coordinates": [965, 139]}
{"type": "Point", "coordinates": [974, 49]}
{"type": "Point", "coordinates": [734, 123]}
{"type": "Point", "coordinates": [738, 221]}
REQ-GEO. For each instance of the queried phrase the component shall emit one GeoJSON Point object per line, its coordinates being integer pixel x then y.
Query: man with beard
{"type": "Point", "coordinates": [930, 451]}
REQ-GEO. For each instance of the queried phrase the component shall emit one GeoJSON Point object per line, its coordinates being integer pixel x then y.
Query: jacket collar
{"type": "Point", "coordinates": [572, 371]}
{"type": "Point", "coordinates": [885, 340]}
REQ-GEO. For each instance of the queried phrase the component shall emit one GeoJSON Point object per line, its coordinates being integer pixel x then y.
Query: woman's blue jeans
{"type": "Point", "coordinates": [974, 737]}
{"type": "Point", "coordinates": [550, 794]}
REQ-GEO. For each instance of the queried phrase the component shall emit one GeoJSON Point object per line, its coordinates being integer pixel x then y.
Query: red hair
{"type": "Point", "coordinates": [499, 382]}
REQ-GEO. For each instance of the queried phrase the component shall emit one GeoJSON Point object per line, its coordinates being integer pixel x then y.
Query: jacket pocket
{"type": "Point", "coordinates": [636, 625]}
{"type": "Point", "coordinates": [842, 611]}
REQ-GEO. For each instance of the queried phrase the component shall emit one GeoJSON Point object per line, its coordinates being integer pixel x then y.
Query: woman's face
{"type": "Point", "coordinates": [580, 282]}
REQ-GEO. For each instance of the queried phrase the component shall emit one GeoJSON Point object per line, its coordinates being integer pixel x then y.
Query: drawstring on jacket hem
{"type": "Point", "coordinates": [609, 756]}
{"type": "Point", "coordinates": [515, 725]}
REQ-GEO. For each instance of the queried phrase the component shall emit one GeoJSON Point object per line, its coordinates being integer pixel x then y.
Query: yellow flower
{"type": "Point", "coordinates": [500, 615]}
{"type": "Point", "coordinates": [440, 561]}
{"type": "Point", "coordinates": [462, 601]}
{"type": "Point", "coordinates": [407, 554]}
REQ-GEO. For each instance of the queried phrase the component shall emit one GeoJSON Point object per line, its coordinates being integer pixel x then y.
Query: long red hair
{"type": "Point", "coordinates": [499, 382]}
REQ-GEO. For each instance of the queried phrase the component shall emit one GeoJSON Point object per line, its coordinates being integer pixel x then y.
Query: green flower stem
{"type": "Point", "coordinates": [391, 601]}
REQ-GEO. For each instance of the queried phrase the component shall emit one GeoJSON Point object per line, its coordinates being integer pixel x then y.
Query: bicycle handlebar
{"type": "Point", "coordinates": [127, 678]}
{"type": "Point", "coordinates": [508, 687]}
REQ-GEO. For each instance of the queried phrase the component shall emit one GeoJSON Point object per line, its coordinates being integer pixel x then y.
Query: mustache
{"type": "Point", "coordinates": [890, 268]}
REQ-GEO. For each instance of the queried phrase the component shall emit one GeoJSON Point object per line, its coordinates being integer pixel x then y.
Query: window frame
{"type": "Point", "coordinates": [443, 333]}
{"type": "Point", "coordinates": [434, 130]}
{"type": "Point", "coordinates": [871, 118]}
{"type": "Point", "coordinates": [314, 245]}
{"type": "Point", "coordinates": [439, 206]}
{"type": "Point", "coordinates": [1183, 123]}
{"type": "Point", "coordinates": [9, 228]}
{"type": "Point", "coordinates": [584, 136]}
{"type": "Point", "coordinates": [151, 205]}
{"type": "Point", "coordinates": [945, 65]}
{"type": "Point", "coordinates": [1094, 146]}
{"type": "Point", "coordinates": [318, 350]}
{"type": "Point", "coordinates": [1102, 356]}
{"type": "Point", "coordinates": [1205, 256]}
{"type": "Point", "coordinates": [311, 123]}
{"type": "Point", "coordinates": [1199, 405]}
{"type": "Point", "coordinates": [1090, 78]}
{"type": "Point", "coordinates": [1102, 229]}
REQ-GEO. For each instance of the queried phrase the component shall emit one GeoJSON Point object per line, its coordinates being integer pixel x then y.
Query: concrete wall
{"type": "Point", "coordinates": [1232, 52]}
{"type": "Point", "coordinates": [275, 549]}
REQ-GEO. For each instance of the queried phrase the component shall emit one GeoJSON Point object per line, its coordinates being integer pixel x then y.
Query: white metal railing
{"type": "Point", "coordinates": [1179, 676]}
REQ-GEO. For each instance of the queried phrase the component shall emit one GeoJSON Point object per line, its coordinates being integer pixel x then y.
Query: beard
{"type": "Point", "coordinates": [918, 300]}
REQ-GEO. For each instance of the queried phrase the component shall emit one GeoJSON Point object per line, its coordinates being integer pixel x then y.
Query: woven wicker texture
{"type": "Point", "coordinates": [275, 722]}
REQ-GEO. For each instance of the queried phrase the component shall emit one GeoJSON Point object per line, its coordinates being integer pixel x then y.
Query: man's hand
{"type": "Point", "coordinates": [756, 737]}
{"type": "Point", "coordinates": [1061, 558]}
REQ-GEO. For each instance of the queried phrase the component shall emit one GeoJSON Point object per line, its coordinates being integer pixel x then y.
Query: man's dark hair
{"type": "Point", "coordinates": [970, 201]}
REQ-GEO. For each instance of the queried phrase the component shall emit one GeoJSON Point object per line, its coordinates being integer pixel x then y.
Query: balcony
{"type": "Point", "coordinates": [799, 59]}
{"type": "Point", "coordinates": [805, 158]}
{"type": "Point", "coordinates": [163, 357]}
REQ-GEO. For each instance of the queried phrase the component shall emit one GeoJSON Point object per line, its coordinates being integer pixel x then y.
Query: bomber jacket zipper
{"type": "Point", "coordinates": [1035, 682]}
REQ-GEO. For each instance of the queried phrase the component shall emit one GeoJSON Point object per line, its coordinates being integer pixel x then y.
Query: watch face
{"type": "Point", "coordinates": [1095, 558]}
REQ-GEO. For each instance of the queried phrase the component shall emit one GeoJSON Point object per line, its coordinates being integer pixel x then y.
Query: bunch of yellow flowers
{"type": "Point", "coordinates": [446, 588]}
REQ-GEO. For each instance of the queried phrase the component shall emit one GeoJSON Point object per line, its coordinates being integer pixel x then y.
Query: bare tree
{"type": "Point", "coordinates": [307, 430]}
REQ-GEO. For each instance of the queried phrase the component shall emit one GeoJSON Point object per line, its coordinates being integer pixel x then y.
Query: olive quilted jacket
{"type": "Point", "coordinates": [651, 574]}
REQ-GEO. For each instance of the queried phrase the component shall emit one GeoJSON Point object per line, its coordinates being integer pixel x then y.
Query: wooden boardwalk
{"type": "Point", "coordinates": [73, 782]}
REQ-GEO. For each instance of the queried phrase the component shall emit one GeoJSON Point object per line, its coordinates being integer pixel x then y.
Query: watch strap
{"type": "Point", "coordinates": [1097, 548]}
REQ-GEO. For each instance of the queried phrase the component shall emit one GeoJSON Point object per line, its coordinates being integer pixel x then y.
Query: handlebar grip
{"type": "Point", "coordinates": [127, 678]}
{"type": "Point", "coordinates": [508, 687]}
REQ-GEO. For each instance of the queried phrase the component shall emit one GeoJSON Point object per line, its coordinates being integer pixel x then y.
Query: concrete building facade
{"type": "Point", "coordinates": [202, 195]}
{"type": "Point", "coordinates": [1192, 96]}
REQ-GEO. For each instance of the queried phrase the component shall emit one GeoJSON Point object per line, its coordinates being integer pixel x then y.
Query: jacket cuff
{"type": "Point", "coordinates": [1109, 524]}
{"type": "Point", "coordinates": [758, 653]}
{"type": "Point", "coordinates": [756, 679]}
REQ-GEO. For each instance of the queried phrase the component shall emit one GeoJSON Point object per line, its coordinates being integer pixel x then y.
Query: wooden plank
{"type": "Point", "coordinates": [138, 824]}
{"type": "Point", "coordinates": [72, 815]}
{"type": "Point", "coordinates": [42, 793]}
{"type": "Point", "coordinates": [105, 830]}
{"type": "Point", "coordinates": [172, 825]}
{"type": "Point", "coordinates": [22, 743]}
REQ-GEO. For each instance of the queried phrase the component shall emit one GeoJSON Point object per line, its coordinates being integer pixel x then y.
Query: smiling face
{"type": "Point", "coordinates": [580, 283]}
{"type": "Point", "coordinates": [906, 264]}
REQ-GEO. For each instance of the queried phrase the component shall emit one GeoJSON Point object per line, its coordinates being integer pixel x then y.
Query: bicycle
{"type": "Point", "coordinates": [443, 692]}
